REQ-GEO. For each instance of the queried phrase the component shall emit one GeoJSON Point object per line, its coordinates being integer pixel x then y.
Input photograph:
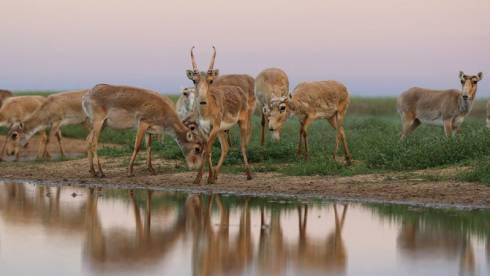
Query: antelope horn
{"type": "Point", "coordinates": [194, 65]}
{"type": "Point", "coordinates": [211, 66]}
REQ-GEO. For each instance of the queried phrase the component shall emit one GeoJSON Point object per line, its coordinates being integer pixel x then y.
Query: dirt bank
{"type": "Point", "coordinates": [405, 188]}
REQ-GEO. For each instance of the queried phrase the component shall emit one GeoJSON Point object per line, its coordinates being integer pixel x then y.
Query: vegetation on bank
{"type": "Point", "coordinates": [372, 127]}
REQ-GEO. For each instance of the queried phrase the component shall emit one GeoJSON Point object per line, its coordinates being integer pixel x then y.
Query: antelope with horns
{"type": "Point", "coordinates": [272, 82]}
{"type": "Point", "coordinates": [220, 107]}
{"type": "Point", "coordinates": [4, 94]}
{"type": "Point", "coordinates": [124, 107]}
{"type": "Point", "coordinates": [311, 101]}
{"type": "Point", "coordinates": [57, 111]}
{"type": "Point", "coordinates": [15, 110]}
{"type": "Point", "coordinates": [446, 107]}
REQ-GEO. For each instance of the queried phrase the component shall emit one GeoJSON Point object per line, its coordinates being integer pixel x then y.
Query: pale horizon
{"type": "Point", "coordinates": [376, 48]}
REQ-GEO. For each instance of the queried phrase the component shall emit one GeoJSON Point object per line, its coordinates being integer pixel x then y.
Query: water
{"type": "Point", "coordinates": [80, 231]}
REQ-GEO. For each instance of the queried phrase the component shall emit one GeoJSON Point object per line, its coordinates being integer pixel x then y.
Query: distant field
{"type": "Point", "coordinates": [372, 128]}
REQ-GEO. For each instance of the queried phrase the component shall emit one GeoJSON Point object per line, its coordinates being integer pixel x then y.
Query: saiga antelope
{"type": "Point", "coordinates": [57, 111]}
{"type": "Point", "coordinates": [446, 107]}
{"type": "Point", "coordinates": [4, 94]}
{"type": "Point", "coordinates": [219, 108]}
{"type": "Point", "coordinates": [311, 101]}
{"type": "Point", "coordinates": [123, 107]}
{"type": "Point", "coordinates": [272, 82]}
{"type": "Point", "coordinates": [185, 105]}
{"type": "Point", "coordinates": [15, 110]}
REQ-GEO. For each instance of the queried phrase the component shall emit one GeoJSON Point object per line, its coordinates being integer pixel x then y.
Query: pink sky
{"type": "Point", "coordinates": [377, 47]}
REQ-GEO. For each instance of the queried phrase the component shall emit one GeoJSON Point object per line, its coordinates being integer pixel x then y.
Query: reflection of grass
{"type": "Point", "coordinates": [372, 127]}
{"type": "Point", "coordinates": [454, 221]}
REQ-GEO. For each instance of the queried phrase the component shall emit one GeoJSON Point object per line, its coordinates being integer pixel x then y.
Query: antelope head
{"type": "Point", "coordinates": [469, 84]}
{"type": "Point", "coordinates": [277, 114]}
{"type": "Point", "coordinates": [15, 139]}
{"type": "Point", "coordinates": [202, 80]}
{"type": "Point", "coordinates": [192, 146]}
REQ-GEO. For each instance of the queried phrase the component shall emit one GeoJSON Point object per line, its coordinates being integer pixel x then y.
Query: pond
{"type": "Point", "coordinates": [64, 230]}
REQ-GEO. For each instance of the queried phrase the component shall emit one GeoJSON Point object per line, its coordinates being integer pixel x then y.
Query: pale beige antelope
{"type": "Point", "coordinates": [185, 105]}
{"type": "Point", "coordinates": [15, 110]}
{"type": "Point", "coordinates": [57, 111]}
{"type": "Point", "coordinates": [219, 109]}
{"type": "Point", "coordinates": [272, 82]}
{"type": "Point", "coordinates": [311, 101]}
{"type": "Point", "coordinates": [4, 94]}
{"type": "Point", "coordinates": [124, 107]}
{"type": "Point", "coordinates": [438, 107]}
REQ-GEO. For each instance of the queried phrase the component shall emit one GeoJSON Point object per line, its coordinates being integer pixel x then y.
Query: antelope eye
{"type": "Point", "coordinates": [474, 81]}
{"type": "Point", "coordinates": [186, 94]}
{"type": "Point", "coordinates": [197, 150]}
{"type": "Point", "coordinates": [282, 108]}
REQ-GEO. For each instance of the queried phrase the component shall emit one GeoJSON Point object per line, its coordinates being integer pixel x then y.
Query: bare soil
{"type": "Point", "coordinates": [411, 187]}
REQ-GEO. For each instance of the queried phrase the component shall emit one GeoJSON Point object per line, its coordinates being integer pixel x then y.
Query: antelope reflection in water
{"type": "Point", "coordinates": [329, 254]}
{"type": "Point", "coordinates": [417, 240]}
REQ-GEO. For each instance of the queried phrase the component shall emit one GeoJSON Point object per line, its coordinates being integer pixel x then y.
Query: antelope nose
{"type": "Point", "coordinates": [465, 97]}
{"type": "Point", "coordinates": [271, 129]}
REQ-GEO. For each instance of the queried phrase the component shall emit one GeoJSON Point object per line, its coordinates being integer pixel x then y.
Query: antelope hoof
{"type": "Point", "coordinates": [131, 174]}
{"type": "Point", "coordinates": [197, 180]}
{"type": "Point", "coordinates": [152, 171]}
{"type": "Point", "coordinates": [93, 173]}
{"type": "Point", "coordinates": [101, 175]}
{"type": "Point", "coordinates": [211, 180]}
{"type": "Point", "coordinates": [348, 161]}
{"type": "Point", "coordinates": [249, 176]}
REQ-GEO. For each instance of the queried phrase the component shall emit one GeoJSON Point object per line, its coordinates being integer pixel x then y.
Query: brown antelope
{"type": "Point", "coordinates": [444, 107]}
{"type": "Point", "coordinates": [4, 94]}
{"type": "Point", "coordinates": [272, 82]}
{"type": "Point", "coordinates": [220, 108]}
{"type": "Point", "coordinates": [123, 107]}
{"type": "Point", "coordinates": [57, 111]}
{"type": "Point", "coordinates": [311, 101]}
{"type": "Point", "coordinates": [246, 83]}
{"type": "Point", "coordinates": [15, 110]}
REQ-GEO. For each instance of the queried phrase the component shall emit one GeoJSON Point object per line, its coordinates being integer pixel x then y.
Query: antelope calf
{"type": "Point", "coordinates": [311, 101]}
{"type": "Point", "coordinates": [4, 94]}
{"type": "Point", "coordinates": [57, 111]}
{"type": "Point", "coordinates": [124, 107]}
{"type": "Point", "coordinates": [272, 82]}
{"type": "Point", "coordinates": [220, 107]}
{"type": "Point", "coordinates": [15, 110]}
{"type": "Point", "coordinates": [185, 105]}
{"type": "Point", "coordinates": [438, 107]}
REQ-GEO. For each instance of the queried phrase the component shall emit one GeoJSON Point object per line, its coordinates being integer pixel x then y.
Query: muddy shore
{"type": "Point", "coordinates": [408, 188]}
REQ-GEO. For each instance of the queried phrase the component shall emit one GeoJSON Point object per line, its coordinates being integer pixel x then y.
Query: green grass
{"type": "Point", "coordinates": [372, 127]}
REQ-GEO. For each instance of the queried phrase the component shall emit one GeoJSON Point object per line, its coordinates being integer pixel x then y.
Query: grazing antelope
{"type": "Point", "coordinates": [443, 107]}
{"type": "Point", "coordinates": [185, 105]}
{"type": "Point", "coordinates": [15, 110]}
{"type": "Point", "coordinates": [123, 107]}
{"type": "Point", "coordinates": [57, 111]}
{"type": "Point", "coordinates": [311, 101]}
{"type": "Point", "coordinates": [272, 82]}
{"type": "Point", "coordinates": [4, 94]}
{"type": "Point", "coordinates": [220, 108]}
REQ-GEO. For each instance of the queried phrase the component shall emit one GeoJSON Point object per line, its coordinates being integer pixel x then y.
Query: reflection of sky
{"type": "Point", "coordinates": [40, 244]}
{"type": "Point", "coordinates": [377, 47]}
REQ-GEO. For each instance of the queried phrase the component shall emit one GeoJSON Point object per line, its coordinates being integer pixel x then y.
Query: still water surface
{"type": "Point", "coordinates": [81, 231]}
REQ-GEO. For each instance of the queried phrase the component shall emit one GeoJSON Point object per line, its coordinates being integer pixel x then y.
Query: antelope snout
{"type": "Point", "coordinates": [271, 129]}
{"type": "Point", "coordinates": [465, 97]}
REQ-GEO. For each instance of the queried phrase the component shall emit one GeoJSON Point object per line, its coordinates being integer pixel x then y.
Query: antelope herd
{"type": "Point", "coordinates": [210, 108]}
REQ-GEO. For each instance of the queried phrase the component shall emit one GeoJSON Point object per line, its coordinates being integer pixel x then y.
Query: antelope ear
{"type": "Point", "coordinates": [189, 136]}
{"type": "Point", "coordinates": [265, 109]}
{"type": "Point", "coordinates": [290, 96]}
{"type": "Point", "coordinates": [190, 74]}
{"type": "Point", "coordinates": [21, 126]}
{"type": "Point", "coordinates": [461, 75]}
{"type": "Point", "coordinates": [480, 76]}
